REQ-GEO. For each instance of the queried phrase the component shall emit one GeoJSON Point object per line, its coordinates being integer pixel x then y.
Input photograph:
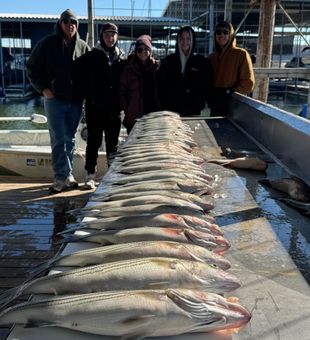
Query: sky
{"type": "Point", "coordinates": [101, 7]}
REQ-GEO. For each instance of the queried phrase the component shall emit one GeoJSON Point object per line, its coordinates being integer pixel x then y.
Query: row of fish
{"type": "Point", "coordinates": [156, 267]}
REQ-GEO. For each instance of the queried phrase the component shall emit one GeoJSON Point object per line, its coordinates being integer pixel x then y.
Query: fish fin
{"type": "Point", "coordinates": [10, 295]}
{"type": "Point", "coordinates": [141, 322]}
{"type": "Point", "coordinates": [38, 323]}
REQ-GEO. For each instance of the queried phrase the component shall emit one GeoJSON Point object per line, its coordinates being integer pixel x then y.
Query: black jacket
{"type": "Point", "coordinates": [50, 64]}
{"type": "Point", "coordinates": [97, 78]}
{"type": "Point", "coordinates": [187, 92]}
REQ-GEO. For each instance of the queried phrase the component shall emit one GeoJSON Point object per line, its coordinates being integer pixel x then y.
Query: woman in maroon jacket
{"type": "Point", "coordinates": [137, 85]}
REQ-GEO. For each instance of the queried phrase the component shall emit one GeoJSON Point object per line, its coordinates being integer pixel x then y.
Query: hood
{"type": "Point", "coordinates": [193, 35]}
{"type": "Point", "coordinates": [232, 37]}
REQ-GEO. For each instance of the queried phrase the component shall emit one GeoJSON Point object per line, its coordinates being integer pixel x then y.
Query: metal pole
{"type": "Point", "coordinates": [308, 107]}
{"type": "Point", "coordinates": [211, 18]}
{"type": "Point", "coordinates": [2, 64]}
{"type": "Point", "coordinates": [228, 10]}
{"type": "Point", "coordinates": [90, 39]}
{"type": "Point", "coordinates": [293, 23]}
{"type": "Point", "coordinates": [23, 59]}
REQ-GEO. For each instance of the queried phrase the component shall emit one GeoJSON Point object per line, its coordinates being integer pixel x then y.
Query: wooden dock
{"type": "Point", "coordinates": [30, 220]}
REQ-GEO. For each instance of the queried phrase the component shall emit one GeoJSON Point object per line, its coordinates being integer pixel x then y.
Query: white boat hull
{"type": "Point", "coordinates": [28, 153]}
{"type": "Point", "coordinates": [36, 162]}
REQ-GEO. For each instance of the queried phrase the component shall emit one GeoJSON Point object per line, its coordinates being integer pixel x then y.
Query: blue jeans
{"type": "Point", "coordinates": [63, 118]}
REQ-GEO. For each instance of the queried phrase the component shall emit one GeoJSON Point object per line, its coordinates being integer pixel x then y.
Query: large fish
{"type": "Point", "coordinates": [160, 220]}
{"type": "Point", "coordinates": [162, 175]}
{"type": "Point", "coordinates": [132, 314]}
{"type": "Point", "coordinates": [151, 209]}
{"type": "Point", "coordinates": [117, 252]}
{"type": "Point", "coordinates": [163, 157]}
{"type": "Point", "coordinates": [186, 185]}
{"type": "Point", "coordinates": [150, 198]}
{"type": "Point", "coordinates": [251, 163]}
{"type": "Point", "coordinates": [294, 187]}
{"type": "Point", "coordinates": [202, 202]}
{"type": "Point", "coordinates": [138, 273]}
{"type": "Point", "coordinates": [146, 166]}
{"type": "Point", "coordinates": [215, 243]}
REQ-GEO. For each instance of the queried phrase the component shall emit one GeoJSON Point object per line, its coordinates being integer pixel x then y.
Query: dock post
{"type": "Point", "coordinates": [264, 46]}
{"type": "Point", "coordinates": [90, 37]}
{"type": "Point", "coordinates": [308, 109]}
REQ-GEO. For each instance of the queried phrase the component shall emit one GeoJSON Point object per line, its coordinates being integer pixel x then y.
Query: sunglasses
{"type": "Point", "coordinates": [68, 21]}
{"type": "Point", "coordinates": [142, 49]}
{"type": "Point", "coordinates": [219, 32]}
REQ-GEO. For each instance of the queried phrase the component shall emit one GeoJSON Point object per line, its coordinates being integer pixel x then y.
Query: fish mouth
{"type": "Point", "coordinates": [218, 244]}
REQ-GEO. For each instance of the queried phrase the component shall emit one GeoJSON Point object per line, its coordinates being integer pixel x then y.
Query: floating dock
{"type": "Point", "coordinates": [268, 240]}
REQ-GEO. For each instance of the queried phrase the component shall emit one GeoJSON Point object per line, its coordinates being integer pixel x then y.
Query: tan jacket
{"type": "Point", "coordinates": [232, 67]}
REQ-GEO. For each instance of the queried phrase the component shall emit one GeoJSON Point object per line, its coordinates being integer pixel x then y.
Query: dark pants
{"type": "Point", "coordinates": [129, 126]}
{"type": "Point", "coordinates": [219, 104]}
{"type": "Point", "coordinates": [98, 121]}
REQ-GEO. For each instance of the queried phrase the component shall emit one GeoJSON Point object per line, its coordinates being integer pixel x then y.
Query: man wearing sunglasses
{"type": "Point", "coordinates": [49, 70]}
{"type": "Point", "coordinates": [233, 70]}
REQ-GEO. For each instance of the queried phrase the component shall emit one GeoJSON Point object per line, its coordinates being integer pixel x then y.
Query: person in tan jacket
{"type": "Point", "coordinates": [233, 70]}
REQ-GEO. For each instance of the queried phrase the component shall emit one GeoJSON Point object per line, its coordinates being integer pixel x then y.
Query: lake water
{"type": "Point", "coordinates": [24, 108]}
{"type": "Point", "coordinates": [21, 108]}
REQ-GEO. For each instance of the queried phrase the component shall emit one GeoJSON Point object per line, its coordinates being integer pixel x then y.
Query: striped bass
{"type": "Point", "coordinates": [161, 220]}
{"type": "Point", "coordinates": [186, 185]}
{"type": "Point", "coordinates": [151, 209]}
{"type": "Point", "coordinates": [215, 243]}
{"type": "Point", "coordinates": [151, 198]}
{"type": "Point", "coordinates": [160, 146]}
{"type": "Point", "coordinates": [146, 166]}
{"type": "Point", "coordinates": [162, 175]}
{"type": "Point", "coordinates": [117, 252]}
{"type": "Point", "coordinates": [138, 273]}
{"type": "Point", "coordinates": [179, 172]}
{"type": "Point", "coordinates": [132, 314]}
{"type": "Point", "coordinates": [202, 202]}
{"type": "Point", "coordinates": [163, 157]}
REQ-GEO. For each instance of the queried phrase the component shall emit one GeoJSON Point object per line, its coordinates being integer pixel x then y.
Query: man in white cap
{"type": "Point", "coordinates": [49, 70]}
{"type": "Point", "coordinates": [98, 76]}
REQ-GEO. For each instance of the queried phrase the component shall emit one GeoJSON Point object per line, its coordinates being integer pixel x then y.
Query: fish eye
{"type": "Point", "coordinates": [213, 265]}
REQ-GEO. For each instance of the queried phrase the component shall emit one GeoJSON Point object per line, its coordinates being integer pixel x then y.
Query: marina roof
{"type": "Point", "coordinates": [117, 19]}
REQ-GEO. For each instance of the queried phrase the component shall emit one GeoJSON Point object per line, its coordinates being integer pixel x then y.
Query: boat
{"type": "Point", "coordinates": [28, 153]}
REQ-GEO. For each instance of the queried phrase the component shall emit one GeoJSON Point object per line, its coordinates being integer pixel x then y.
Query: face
{"type": "Point", "coordinates": [143, 52]}
{"type": "Point", "coordinates": [109, 38]}
{"type": "Point", "coordinates": [222, 36]}
{"type": "Point", "coordinates": [185, 42]}
{"type": "Point", "coordinates": [69, 27]}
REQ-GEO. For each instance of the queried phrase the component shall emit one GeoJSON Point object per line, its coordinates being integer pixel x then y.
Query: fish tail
{"type": "Point", "coordinates": [39, 270]}
{"type": "Point", "coordinates": [10, 295]}
{"type": "Point", "coordinates": [70, 230]}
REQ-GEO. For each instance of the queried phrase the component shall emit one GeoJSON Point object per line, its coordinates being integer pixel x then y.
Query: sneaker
{"type": "Point", "coordinates": [58, 186]}
{"type": "Point", "coordinates": [71, 183]}
{"type": "Point", "coordinates": [90, 181]}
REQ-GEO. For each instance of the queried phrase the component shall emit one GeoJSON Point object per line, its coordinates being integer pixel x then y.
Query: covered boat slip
{"type": "Point", "coordinates": [270, 250]}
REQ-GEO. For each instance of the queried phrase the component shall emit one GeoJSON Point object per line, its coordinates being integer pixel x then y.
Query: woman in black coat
{"type": "Point", "coordinates": [185, 79]}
